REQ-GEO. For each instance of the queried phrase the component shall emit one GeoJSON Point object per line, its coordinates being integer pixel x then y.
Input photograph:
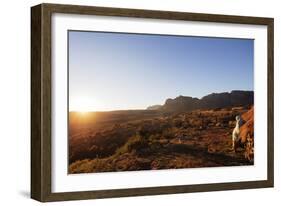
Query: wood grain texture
{"type": "Point", "coordinates": [41, 101]}
{"type": "Point", "coordinates": [138, 13]}
{"type": "Point", "coordinates": [270, 102]}
{"type": "Point", "coordinates": [36, 58]}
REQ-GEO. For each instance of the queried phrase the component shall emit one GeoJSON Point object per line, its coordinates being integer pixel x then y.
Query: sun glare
{"type": "Point", "coordinates": [83, 105]}
{"type": "Point", "coordinates": [83, 112]}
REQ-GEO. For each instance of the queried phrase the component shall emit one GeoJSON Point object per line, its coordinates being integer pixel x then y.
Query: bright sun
{"type": "Point", "coordinates": [83, 105]}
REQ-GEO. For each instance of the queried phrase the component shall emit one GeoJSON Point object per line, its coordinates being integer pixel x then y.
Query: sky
{"type": "Point", "coordinates": [120, 71]}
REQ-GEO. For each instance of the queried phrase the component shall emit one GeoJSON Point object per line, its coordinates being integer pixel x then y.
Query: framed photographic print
{"type": "Point", "coordinates": [128, 102]}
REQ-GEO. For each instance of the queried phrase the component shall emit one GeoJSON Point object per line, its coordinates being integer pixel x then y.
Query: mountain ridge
{"type": "Point", "coordinates": [211, 101]}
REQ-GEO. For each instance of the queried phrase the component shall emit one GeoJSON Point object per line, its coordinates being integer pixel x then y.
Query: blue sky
{"type": "Point", "coordinates": [113, 71]}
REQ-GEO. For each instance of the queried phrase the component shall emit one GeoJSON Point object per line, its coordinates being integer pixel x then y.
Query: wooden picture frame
{"type": "Point", "coordinates": [41, 116]}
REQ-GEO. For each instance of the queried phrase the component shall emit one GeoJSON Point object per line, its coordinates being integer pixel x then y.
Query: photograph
{"type": "Point", "coordinates": [157, 101]}
{"type": "Point", "coordinates": [134, 102]}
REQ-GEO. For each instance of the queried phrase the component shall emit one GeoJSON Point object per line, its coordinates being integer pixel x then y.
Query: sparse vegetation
{"type": "Point", "coordinates": [128, 140]}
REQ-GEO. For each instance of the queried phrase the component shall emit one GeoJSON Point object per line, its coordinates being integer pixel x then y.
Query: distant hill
{"type": "Point", "coordinates": [154, 107]}
{"type": "Point", "coordinates": [212, 101]}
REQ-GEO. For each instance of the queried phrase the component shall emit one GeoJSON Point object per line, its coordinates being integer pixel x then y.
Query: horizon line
{"type": "Point", "coordinates": [140, 109]}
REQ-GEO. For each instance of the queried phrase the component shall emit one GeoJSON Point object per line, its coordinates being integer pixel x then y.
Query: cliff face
{"type": "Point", "coordinates": [211, 101]}
{"type": "Point", "coordinates": [181, 103]}
{"type": "Point", "coordinates": [232, 99]}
